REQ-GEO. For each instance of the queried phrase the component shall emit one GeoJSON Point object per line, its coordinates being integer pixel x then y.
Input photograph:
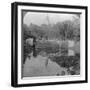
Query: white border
{"type": "Point", "coordinates": [82, 52]}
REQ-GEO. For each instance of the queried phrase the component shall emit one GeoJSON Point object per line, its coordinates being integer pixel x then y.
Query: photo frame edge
{"type": "Point", "coordinates": [14, 45]}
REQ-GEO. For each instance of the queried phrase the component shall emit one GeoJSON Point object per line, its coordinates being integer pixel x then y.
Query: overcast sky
{"type": "Point", "coordinates": [41, 18]}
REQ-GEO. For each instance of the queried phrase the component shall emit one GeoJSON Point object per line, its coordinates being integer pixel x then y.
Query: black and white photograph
{"type": "Point", "coordinates": [49, 44]}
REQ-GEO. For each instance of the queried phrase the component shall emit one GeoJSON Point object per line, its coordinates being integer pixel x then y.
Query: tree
{"type": "Point", "coordinates": [26, 32]}
{"type": "Point", "coordinates": [76, 26]}
{"type": "Point", "coordinates": [69, 29]}
{"type": "Point", "coordinates": [66, 29]}
{"type": "Point", "coordinates": [37, 31]}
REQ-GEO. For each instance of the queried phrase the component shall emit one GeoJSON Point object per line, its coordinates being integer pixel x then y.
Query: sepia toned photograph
{"type": "Point", "coordinates": [51, 44]}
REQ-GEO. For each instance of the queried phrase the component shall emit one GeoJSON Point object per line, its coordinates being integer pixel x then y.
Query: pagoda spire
{"type": "Point", "coordinates": [48, 20]}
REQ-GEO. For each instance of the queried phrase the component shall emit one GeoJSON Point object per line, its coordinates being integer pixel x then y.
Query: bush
{"type": "Point", "coordinates": [67, 62]}
{"type": "Point", "coordinates": [27, 50]}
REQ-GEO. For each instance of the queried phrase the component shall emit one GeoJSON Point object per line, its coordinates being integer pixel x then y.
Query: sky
{"type": "Point", "coordinates": [39, 18]}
